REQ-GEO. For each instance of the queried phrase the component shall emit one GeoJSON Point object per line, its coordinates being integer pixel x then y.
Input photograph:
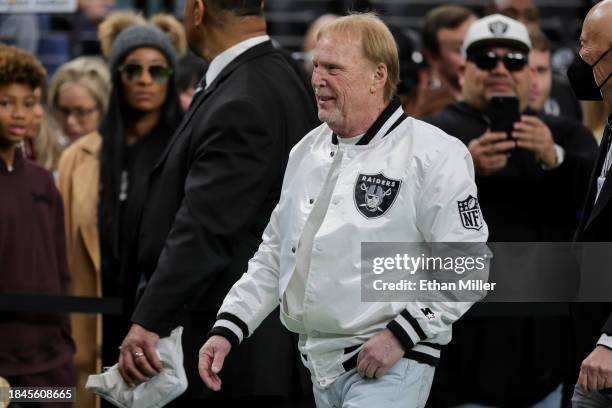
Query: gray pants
{"type": "Point", "coordinates": [596, 400]}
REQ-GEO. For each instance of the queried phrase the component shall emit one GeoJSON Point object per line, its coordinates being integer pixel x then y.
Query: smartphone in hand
{"type": "Point", "coordinates": [502, 111]}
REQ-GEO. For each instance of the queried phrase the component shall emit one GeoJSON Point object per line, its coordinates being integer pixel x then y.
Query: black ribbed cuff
{"type": "Point", "coordinates": [237, 321]}
{"type": "Point", "coordinates": [224, 332]}
{"type": "Point", "coordinates": [407, 330]}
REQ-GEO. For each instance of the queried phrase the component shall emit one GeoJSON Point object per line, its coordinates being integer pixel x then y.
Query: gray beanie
{"type": "Point", "coordinates": [140, 36]}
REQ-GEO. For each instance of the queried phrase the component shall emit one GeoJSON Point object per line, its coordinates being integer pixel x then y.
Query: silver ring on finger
{"type": "Point", "coordinates": [138, 354]}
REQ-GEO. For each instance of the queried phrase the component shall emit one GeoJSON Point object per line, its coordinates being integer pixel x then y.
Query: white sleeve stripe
{"type": "Point", "coordinates": [230, 326]}
{"type": "Point", "coordinates": [427, 349]}
{"type": "Point", "coordinates": [408, 329]}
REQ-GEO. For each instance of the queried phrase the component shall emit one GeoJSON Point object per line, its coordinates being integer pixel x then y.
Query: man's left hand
{"type": "Point", "coordinates": [379, 354]}
{"type": "Point", "coordinates": [138, 360]}
{"type": "Point", "coordinates": [596, 370]}
{"type": "Point", "coordinates": [533, 134]}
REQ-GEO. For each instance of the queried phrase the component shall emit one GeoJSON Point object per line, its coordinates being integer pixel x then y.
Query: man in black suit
{"type": "Point", "coordinates": [590, 78]}
{"type": "Point", "coordinates": [211, 195]}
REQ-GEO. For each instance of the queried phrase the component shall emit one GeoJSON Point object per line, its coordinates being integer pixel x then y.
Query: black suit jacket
{"type": "Point", "coordinates": [591, 319]}
{"type": "Point", "coordinates": [210, 197]}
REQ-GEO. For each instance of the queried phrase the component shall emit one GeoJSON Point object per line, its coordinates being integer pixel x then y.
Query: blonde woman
{"type": "Point", "coordinates": [77, 99]}
{"type": "Point", "coordinates": [78, 96]}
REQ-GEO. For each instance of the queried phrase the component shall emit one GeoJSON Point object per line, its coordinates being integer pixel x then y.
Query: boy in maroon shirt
{"type": "Point", "coordinates": [35, 348]}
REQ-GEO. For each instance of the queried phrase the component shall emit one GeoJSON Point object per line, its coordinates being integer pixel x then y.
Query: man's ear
{"type": "Point", "coordinates": [199, 8]}
{"type": "Point", "coordinates": [380, 75]}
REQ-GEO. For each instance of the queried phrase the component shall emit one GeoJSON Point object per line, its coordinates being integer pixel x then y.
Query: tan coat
{"type": "Point", "coordinates": [78, 183]}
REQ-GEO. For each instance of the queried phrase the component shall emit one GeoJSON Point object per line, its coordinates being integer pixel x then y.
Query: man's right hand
{"type": "Point", "coordinates": [596, 370]}
{"type": "Point", "coordinates": [212, 355]}
{"type": "Point", "coordinates": [489, 152]}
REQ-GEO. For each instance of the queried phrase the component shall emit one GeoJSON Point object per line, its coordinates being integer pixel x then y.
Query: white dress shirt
{"type": "Point", "coordinates": [227, 56]}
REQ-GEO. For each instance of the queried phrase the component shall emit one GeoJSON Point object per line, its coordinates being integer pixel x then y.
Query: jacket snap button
{"type": "Point", "coordinates": [311, 201]}
{"type": "Point", "coordinates": [293, 250]}
{"type": "Point", "coordinates": [331, 154]}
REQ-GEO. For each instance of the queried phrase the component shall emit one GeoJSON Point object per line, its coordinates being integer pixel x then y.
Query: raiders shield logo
{"type": "Point", "coordinates": [374, 194]}
{"type": "Point", "coordinates": [469, 212]}
{"type": "Point", "coordinates": [498, 28]}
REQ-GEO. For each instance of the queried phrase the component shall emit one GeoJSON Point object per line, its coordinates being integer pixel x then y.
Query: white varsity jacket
{"type": "Point", "coordinates": [424, 176]}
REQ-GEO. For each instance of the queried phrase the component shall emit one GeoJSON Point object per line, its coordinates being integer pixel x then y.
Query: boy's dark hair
{"type": "Point", "coordinates": [20, 67]}
{"type": "Point", "coordinates": [449, 17]}
{"type": "Point", "coordinates": [240, 8]}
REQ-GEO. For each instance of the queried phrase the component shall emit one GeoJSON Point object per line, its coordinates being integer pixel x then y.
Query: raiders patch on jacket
{"type": "Point", "coordinates": [374, 194]}
{"type": "Point", "coordinates": [469, 212]}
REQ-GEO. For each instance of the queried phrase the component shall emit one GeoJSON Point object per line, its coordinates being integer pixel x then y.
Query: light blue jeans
{"type": "Point", "coordinates": [595, 400]}
{"type": "Point", "coordinates": [552, 400]}
{"type": "Point", "coordinates": [406, 385]}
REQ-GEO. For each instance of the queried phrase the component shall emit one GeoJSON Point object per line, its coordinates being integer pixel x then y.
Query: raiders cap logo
{"type": "Point", "coordinates": [374, 194]}
{"type": "Point", "coordinates": [498, 28]}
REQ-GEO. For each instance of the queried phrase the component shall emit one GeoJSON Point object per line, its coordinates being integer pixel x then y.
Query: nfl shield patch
{"type": "Point", "coordinates": [469, 212]}
{"type": "Point", "coordinates": [374, 194]}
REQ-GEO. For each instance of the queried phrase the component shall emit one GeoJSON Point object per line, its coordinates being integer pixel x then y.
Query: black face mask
{"type": "Point", "coordinates": [582, 79]}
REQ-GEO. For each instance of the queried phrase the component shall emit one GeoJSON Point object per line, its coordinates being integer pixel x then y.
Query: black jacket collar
{"type": "Point", "coordinates": [256, 51]}
{"type": "Point", "coordinates": [380, 121]}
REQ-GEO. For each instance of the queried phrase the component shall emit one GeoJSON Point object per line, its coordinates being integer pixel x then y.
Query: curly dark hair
{"type": "Point", "coordinates": [20, 67]}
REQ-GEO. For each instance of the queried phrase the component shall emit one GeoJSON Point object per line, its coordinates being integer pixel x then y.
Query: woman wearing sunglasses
{"type": "Point", "coordinates": [104, 175]}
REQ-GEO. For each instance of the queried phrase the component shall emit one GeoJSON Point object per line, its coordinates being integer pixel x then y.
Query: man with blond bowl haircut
{"type": "Point", "coordinates": [359, 354]}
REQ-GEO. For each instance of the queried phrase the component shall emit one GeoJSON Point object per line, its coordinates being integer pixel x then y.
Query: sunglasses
{"type": "Point", "coordinates": [133, 72]}
{"type": "Point", "coordinates": [487, 60]}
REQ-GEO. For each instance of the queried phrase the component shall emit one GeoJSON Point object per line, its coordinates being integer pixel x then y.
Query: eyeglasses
{"type": "Point", "coordinates": [79, 113]}
{"type": "Point", "coordinates": [133, 72]}
{"type": "Point", "coordinates": [487, 60]}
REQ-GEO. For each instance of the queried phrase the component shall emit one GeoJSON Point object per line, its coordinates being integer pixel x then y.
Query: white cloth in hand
{"type": "Point", "coordinates": [158, 391]}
